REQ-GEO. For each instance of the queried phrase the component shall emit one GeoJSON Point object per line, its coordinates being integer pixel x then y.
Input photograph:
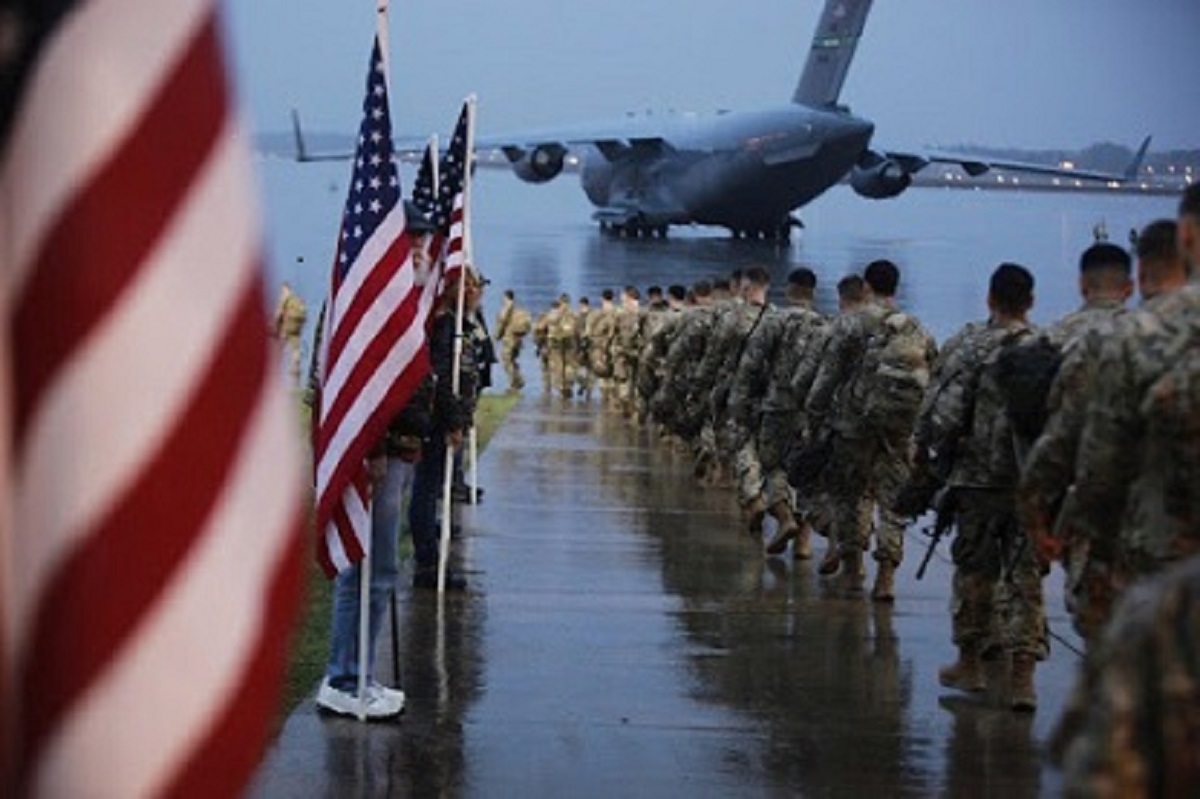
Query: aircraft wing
{"type": "Point", "coordinates": [975, 166]}
{"type": "Point", "coordinates": [648, 135]}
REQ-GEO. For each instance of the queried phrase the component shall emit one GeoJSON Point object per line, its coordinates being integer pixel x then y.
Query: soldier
{"type": "Point", "coordinates": [584, 378]}
{"type": "Point", "coordinates": [598, 332]}
{"type": "Point", "coordinates": [755, 354]}
{"type": "Point", "coordinates": [562, 332]}
{"type": "Point", "coordinates": [626, 348]}
{"type": "Point", "coordinates": [868, 391]}
{"type": "Point", "coordinates": [669, 404]}
{"type": "Point", "coordinates": [290, 315]}
{"type": "Point", "coordinates": [658, 329]}
{"type": "Point", "coordinates": [513, 324]}
{"type": "Point", "coordinates": [709, 387]}
{"type": "Point", "coordinates": [1136, 479]}
{"type": "Point", "coordinates": [1132, 726]}
{"type": "Point", "coordinates": [764, 400]}
{"type": "Point", "coordinates": [1049, 470]}
{"type": "Point", "coordinates": [541, 345]}
{"type": "Point", "coordinates": [966, 426]}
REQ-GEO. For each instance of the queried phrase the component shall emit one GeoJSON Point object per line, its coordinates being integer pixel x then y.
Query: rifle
{"type": "Point", "coordinates": [946, 505]}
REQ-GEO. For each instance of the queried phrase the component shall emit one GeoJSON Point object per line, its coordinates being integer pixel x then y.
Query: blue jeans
{"type": "Point", "coordinates": [423, 512]}
{"type": "Point", "coordinates": [387, 497]}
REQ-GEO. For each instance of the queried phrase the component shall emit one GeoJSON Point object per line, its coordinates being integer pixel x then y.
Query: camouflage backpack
{"type": "Point", "coordinates": [1171, 408]}
{"type": "Point", "coordinates": [520, 324]}
{"type": "Point", "coordinates": [893, 375]}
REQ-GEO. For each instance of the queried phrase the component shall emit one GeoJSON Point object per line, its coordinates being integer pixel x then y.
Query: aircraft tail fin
{"type": "Point", "coordinates": [1135, 166]}
{"type": "Point", "coordinates": [833, 47]}
{"type": "Point", "coordinates": [298, 137]}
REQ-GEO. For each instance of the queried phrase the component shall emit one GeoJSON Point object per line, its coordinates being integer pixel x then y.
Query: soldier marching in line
{"type": "Point", "coordinates": [562, 339]}
{"type": "Point", "coordinates": [764, 405]}
{"type": "Point", "coordinates": [584, 379]}
{"type": "Point", "coordinates": [658, 330]}
{"type": "Point", "coordinates": [997, 605]}
{"type": "Point", "coordinates": [513, 324]}
{"type": "Point", "coordinates": [599, 331]}
{"type": "Point", "coordinates": [867, 395]}
{"type": "Point", "coordinates": [626, 349]}
{"type": "Point", "coordinates": [1105, 280]}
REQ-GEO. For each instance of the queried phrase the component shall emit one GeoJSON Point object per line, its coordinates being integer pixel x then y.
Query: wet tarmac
{"type": "Point", "coordinates": [622, 637]}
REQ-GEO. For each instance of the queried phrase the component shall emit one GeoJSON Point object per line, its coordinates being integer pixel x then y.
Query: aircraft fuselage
{"type": "Point", "coordinates": [743, 171]}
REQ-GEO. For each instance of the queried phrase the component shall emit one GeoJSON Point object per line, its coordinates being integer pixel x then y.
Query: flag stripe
{"type": "Point", "coordinates": [200, 628]}
{"type": "Point", "coordinates": [85, 403]}
{"type": "Point", "coordinates": [98, 71]}
{"type": "Point", "coordinates": [389, 315]}
{"type": "Point", "coordinates": [79, 639]}
{"type": "Point", "coordinates": [155, 490]}
{"type": "Point", "coordinates": [373, 388]}
{"type": "Point", "coordinates": [112, 225]}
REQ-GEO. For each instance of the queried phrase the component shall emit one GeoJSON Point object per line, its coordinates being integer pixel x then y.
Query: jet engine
{"type": "Point", "coordinates": [538, 165]}
{"type": "Point", "coordinates": [885, 179]}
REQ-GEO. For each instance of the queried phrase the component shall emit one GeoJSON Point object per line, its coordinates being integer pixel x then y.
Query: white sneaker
{"type": "Point", "coordinates": [394, 695]}
{"type": "Point", "coordinates": [382, 703]}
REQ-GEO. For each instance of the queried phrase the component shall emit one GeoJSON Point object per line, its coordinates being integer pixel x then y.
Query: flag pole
{"type": "Point", "coordinates": [469, 258]}
{"type": "Point", "coordinates": [456, 381]}
{"type": "Point", "coordinates": [364, 566]}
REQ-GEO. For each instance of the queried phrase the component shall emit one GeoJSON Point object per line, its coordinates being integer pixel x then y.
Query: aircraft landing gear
{"type": "Point", "coordinates": [633, 230]}
{"type": "Point", "coordinates": [780, 232]}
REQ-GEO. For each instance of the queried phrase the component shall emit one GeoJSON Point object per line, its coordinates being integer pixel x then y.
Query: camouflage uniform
{"type": "Point", "coordinates": [872, 429]}
{"type": "Point", "coordinates": [1132, 726]}
{"type": "Point", "coordinates": [1049, 468]}
{"type": "Point", "coordinates": [658, 330]}
{"type": "Point", "coordinates": [599, 331]}
{"type": "Point", "coordinates": [788, 384]}
{"type": "Point", "coordinates": [710, 387]}
{"type": "Point", "coordinates": [686, 351]}
{"type": "Point", "coordinates": [626, 350]}
{"type": "Point", "coordinates": [966, 416]}
{"type": "Point", "coordinates": [290, 316]}
{"type": "Point", "coordinates": [747, 390]}
{"type": "Point", "coordinates": [541, 342]}
{"type": "Point", "coordinates": [562, 330]}
{"type": "Point", "coordinates": [1134, 490]}
{"type": "Point", "coordinates": [584, 378]}
{"type": "Point", "coordinates": [512, 325]}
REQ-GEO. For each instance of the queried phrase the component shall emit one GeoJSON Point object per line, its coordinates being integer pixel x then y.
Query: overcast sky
{"type": "Point", "coordinates": [1026, 73]}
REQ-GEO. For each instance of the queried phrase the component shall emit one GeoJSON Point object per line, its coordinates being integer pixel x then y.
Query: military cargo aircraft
{"type": "Point", "coordinates": [745, 171]}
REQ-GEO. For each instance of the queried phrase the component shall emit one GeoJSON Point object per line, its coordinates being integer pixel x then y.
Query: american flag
{"type": "Point", "coordinates": [449, 214]}
{"type": "Point", "coordinates": [424, 192]}
{"type": "Point", "coordinates": [375, 347]}
{"type": "Point", "coordinates": [153, 508]}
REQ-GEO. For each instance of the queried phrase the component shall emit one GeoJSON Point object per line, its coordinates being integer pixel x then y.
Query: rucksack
{"type": "Point", "coordinates": [520, 324]}
{"type": "Point", "coordinates": [1025, 370]}
{"type": "Point", "coordinates": [894, 374]}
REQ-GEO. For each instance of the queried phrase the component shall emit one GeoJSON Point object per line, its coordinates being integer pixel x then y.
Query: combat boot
{"type": "Point", "coordinates": [966, 674]}
{"type": "Point", "coordinates": [1022, 696]}
{"type": "Point", "coordinates": [885, 582]}
{"type": "Point", "coordinates": [853, 571]}
{"type": "Point", "coordinates": [802, 549]}
{"type": "Point", "coordinates": [831, 562]}
{"type": "Point", "coordinates": [787, 530]}
{"type": "Point", "coordinates": [756, 513]}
